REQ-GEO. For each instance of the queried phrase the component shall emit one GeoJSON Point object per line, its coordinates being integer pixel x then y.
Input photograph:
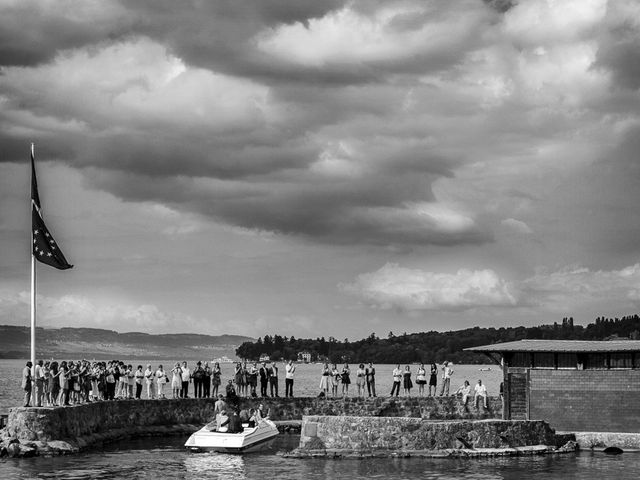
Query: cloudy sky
{"type": "Point", "coordinates": [325, 168]}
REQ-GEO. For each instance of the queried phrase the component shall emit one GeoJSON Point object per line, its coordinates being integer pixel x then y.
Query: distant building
{"type": "Point", "coordinates": [264, 358]}
{"type": "Point", "coordinates": [304, 357]}
{"type": "Point", "coordinates": [574, 385]}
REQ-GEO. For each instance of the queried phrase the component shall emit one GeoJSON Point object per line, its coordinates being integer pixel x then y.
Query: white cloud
{"type": "Point", "coordinates": [579, 287]}
{"type": "Point", "coordinates": [517, 226]}
{"type": "Point", "coordinates": [411, 289]}
{"type": "Point", "coordinates": [391, 33]}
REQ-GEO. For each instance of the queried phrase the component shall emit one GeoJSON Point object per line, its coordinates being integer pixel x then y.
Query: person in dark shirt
{"type": "Point", "coordinates": [264, 379]}
{"type": "Point", "coordinates": [235, 424]}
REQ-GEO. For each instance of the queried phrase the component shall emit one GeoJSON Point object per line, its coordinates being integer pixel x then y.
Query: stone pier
{"type": "Point", "coordinates": [92, 424]}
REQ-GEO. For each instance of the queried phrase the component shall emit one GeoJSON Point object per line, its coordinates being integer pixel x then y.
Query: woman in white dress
{"type": "Point", "coordinates": [176, 380]}
{"type": "Point", "coordinates": [160, 381]}
{"type": "Point", "coordinates": [324, 379]}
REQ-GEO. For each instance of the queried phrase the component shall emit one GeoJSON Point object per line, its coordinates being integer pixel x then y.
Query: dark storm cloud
{"type": "Point", "coordinates": [33, 32]}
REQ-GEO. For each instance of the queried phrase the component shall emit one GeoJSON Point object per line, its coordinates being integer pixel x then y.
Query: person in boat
{"type": "Point", "coordinates": [220, 405]}
{"type": "Point", "coordinates": [234, 424]}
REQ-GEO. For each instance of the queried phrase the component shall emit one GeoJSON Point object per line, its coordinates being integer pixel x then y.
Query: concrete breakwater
{"type": "Point", "coordinates": [379, 436]}
{"type": "Point", "coordinates": [52, 430]}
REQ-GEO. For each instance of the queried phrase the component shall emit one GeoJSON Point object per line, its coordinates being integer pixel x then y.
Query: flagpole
{"type": "Point", "coordinates": [33, 310]}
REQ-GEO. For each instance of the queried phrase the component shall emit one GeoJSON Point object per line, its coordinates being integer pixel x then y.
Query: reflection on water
{"type": "Point", "coordinates": [215, 465]}
{"type": "Point", "coordinates": [160, 458]}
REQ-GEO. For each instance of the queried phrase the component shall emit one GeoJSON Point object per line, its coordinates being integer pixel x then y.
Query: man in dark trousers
{"type": "Point", "coordinates": [264, 379]}
{"type": "Point", "coordinates": [273, 379]}
{"type": "Point", "coordinates": [370, 373]}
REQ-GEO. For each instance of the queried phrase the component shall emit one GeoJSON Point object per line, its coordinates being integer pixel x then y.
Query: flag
{"type": "Point", "coordinates": [45, 249]}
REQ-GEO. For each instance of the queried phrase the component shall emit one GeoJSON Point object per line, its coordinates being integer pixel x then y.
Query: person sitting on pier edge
{"type": "Point", "coordinates": [232, 397]}
{"type": "Point", "coordinates": [264, 379]}
{"type": "Point", "coordinates": [481, 393]}
{"type": "Point", "coordinates": [465, 391]}
{"type": "Point", "coordinates": [272, 372]}
{"type": "Point", "coordinates": [370, 373]}
{"type": "Point", "coordinates": [397, 378]}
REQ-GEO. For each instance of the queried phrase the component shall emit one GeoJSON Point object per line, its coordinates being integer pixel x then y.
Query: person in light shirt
{"type": "Point", "coordinates": [186, 378]}
{"type": "Point", "coordinates": [149, 376]}
{"type": "Point", "coordinates": [447, 371]}
{"type": "Point", "coordinates": [289, 370]}
{"type": "Point", "coordinates": [465, 391]}
{"type": "Point", "coordinates": [481, 393]}
{"type": "Point", "coordinates": [397, 378]}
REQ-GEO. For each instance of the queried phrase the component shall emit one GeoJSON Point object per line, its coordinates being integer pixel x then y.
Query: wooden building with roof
{"type": "Point", "coordinates": [574, 385]}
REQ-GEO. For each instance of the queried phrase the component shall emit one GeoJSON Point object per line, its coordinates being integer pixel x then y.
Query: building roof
{"type": "Point", "coordinates": [569, 346]}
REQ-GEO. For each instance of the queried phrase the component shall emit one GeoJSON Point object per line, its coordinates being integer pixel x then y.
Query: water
{"type": "Point", "coordinates": [167, 459]}
{"type": "Point", "coordinates": [160, 458]}
{"type": "Point", "coordinates": [306, 383]}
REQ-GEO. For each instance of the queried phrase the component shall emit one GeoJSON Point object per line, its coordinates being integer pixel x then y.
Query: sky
{"type": "Point", "coordinates": [334, 168]}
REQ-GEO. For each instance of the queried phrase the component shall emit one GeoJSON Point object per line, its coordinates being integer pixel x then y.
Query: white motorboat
{"type": "Point", "coordinates": [251, 438]}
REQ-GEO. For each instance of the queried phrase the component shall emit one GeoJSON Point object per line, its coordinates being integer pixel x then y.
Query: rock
{"type": "Point", "coordinates": [13, 450]}
{"type": "Point", "coordinates": [613, 451]}
{"type": "Point", "coordinates": [3, 452]}
{"type": "Point", "coordinates": [62, 447]}
{"type": "Point", "coordinates": [27, 451]}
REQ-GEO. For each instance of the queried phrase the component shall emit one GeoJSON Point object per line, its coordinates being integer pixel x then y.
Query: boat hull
{"type": "Point", "coordinates": [251, 439]}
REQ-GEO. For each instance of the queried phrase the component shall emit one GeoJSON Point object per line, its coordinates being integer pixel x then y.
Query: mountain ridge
{"type": "Point", "coordinates": [87, 342]}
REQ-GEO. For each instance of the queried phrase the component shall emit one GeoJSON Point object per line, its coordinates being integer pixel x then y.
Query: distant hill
{"type": "Point", "coordinates": [72, 343]}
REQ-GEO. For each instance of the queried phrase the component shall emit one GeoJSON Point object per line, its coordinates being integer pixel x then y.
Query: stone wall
{"type": "Point", "coordinates": [379, 433]}
{"type": "Point", "coordinates": [98, 419]}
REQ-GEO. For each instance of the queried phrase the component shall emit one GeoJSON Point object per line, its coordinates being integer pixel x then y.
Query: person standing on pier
{"type": "Point", "coordinates": [176, 381]}
{"type": "Point", "coordinates": [421, 379]}
{"type": "Point", "coordinates": [273, 379]}
{"type": "Point", "coordinates": [148, 375]}
{"type": "Point", "coordinates": [337, 377]}
{"type": "Point", "coordinates": [397, 378]}
{"type": "Point", "coordinates": [433, 380]}
{"type": "Point", "coordinates": [39, 374]}
{"type": "Point", "coordinates": [407, 383]}
{"type": "Point", "coordinates": [360, 379]}
{"type": "Point", "coordinates": [264, 379]}
{"type": "Point", "coordinates": [447, 371]}
{"type": "Point", "coordinates": [186, 378]}
{"type": "Point", "coordinates": [161, 380]}
{"type": "Point", "coordinates": [207, 380]}
{"type": "Point", "coordinates": [370, 373]}
{"type": "Point", "coordinates": [216, 379]}
{"type": "Point", "coordinates": [27, 383]}
{"type": "Point", "coordinates": [324, 380]}
{"type": "Point", "coordinates": [289, 371]}
{"type": "Point", "coordinates": [198, 380]}
{"type": "Point", "coordinates": [139, 375]}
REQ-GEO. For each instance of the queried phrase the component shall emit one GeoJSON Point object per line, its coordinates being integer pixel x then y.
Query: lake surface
{"type": "Point", "coordinates": [160, 458]}
{"type": "Point", "coordinates": [166, 458]}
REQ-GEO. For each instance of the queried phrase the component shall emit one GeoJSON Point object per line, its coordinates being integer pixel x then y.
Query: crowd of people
{"type": "Point", "coordinates": [72, 382]}
{"type": "Point", "coordinates": [336, 382]}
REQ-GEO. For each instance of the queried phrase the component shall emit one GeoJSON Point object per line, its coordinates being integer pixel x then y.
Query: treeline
{"type": "Point", "coordinates": [432, 346]}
